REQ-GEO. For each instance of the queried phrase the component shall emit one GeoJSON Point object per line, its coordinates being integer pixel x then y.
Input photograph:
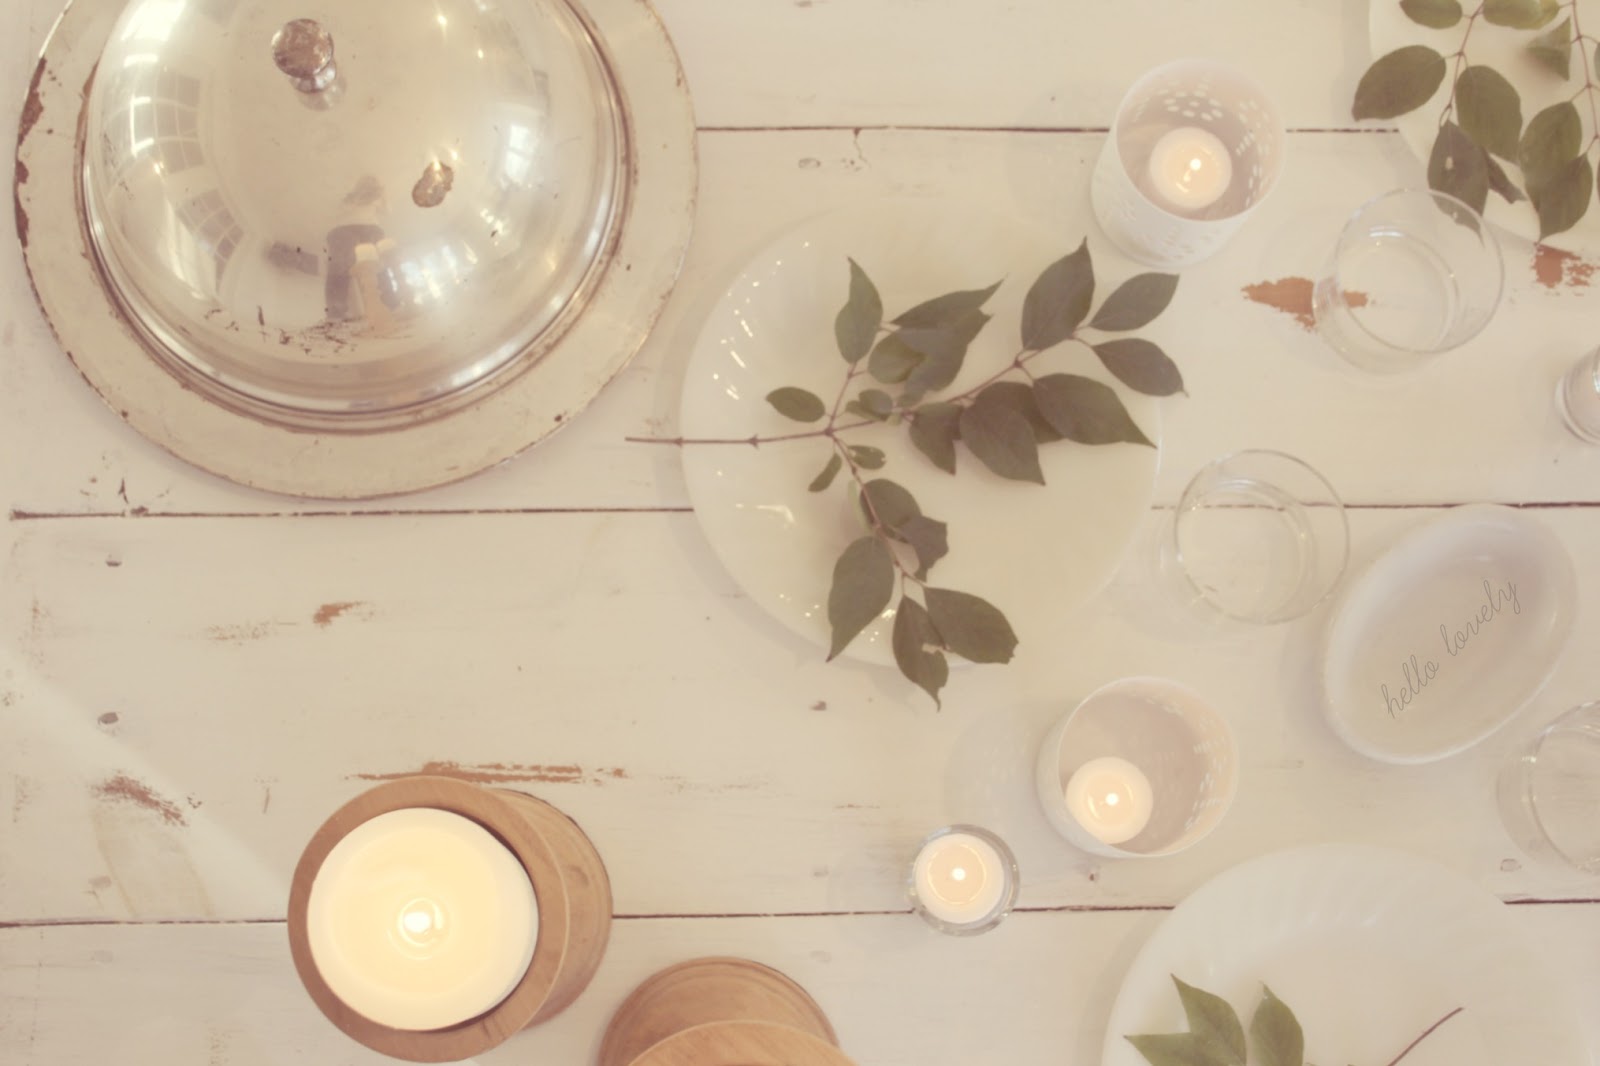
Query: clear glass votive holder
{"type": "Point", "coordinates": [963, 880]}
{"type": "Point", "coordinates": [1142, 767]}
{"type": "Point", "coordinates": [1194, 149]}
{"type": "Point", "coordinates": [1258, 536]}
{"type": "Point", "coordinates": [1413, 274]}
{"type": "Point", "coordinates": [1578, 398]}
{"type": "Point", "coordinates": [1549, 791]}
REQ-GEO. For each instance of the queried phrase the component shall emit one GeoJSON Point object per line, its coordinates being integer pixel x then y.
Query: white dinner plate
{"type": "Point", "coordinates": [1504, 50]}
{"type": "Point", "coordinates": [1034, 552]}
{"type": "Point", "coordinates": [1448, 634]}
{"type": "Point", "coordinates": [1368, 947]}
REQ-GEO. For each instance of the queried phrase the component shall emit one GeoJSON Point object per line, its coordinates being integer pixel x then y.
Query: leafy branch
{"type": "Point", "coordinates": [894, 368]}
{"type": "Point", "coordinates": [1217, 1038]}
{"type": "Point", "coordinates": [1480, 126]}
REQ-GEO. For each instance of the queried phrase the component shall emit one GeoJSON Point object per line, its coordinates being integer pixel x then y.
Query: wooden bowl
{"type": "Point", "coordinates": [720, 1012]}
{"type": "Point", "coordinates": [569, 882]}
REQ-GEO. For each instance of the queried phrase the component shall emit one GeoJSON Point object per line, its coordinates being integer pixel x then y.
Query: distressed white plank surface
{"type": "Point", "coordinates": [188, 698]}
{"type": "Point", "coordinates": [1255, 376]}
{"type": "Point", "coordinates": [1035, 992]}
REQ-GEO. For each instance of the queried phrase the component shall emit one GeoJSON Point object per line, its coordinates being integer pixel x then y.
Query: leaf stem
{"type": "Point", "coordinates": [1580, 43]}
{"type": "Point", "coordinates": [755, 441]}
{"type": "Point", "coordinates": [1460, 57]}
{"type": "Point", "coordinates": [1425, 1034]}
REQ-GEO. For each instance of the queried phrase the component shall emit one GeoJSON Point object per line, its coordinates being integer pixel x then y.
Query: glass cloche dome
{"type": "Point", "coordinates": [356, 220]}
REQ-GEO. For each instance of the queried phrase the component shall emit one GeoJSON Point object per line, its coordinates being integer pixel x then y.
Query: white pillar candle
{"type": "Point", "coordinates": [1190, 168]}
{"type": "Point", "coordinates": [959, 878]}
{"type": "Point", "coordinates": [420, 919]}
{"type": "Point", "coordinates": [1110, 798]}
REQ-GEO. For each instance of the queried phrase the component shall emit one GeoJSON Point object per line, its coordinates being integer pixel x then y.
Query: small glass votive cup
{"type": "Point", "coordinates": [1578, 398]}
{"type": "Point", "coordinates": [1194, 148]}
{"type": "Point", "coordinates": [1414, 273]}
{"type": "Point", "coordinates": [1258, 536]}
{"type": "Point", "coordinates": [1549, 791]}
{"type": "Point", "coordinates": [1142, 767]}
{"type": "Point", "coordinates": [963, 880]}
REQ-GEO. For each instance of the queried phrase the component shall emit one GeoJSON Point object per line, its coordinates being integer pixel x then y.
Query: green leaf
{"type": "Point", "coordinates": [1520, 14]}
{"type": "Point", "coordinates": [1212, 1020]}
{"type": "Point", "coordinates": [1489, 110]}
{"type": "Point", "coordinates": [798, 404]}
{"type": "Point", "coordinates": [971, 627]}
{"type": "Point", "coordinates": [1002, 440]}
{"type": "Point", "coordinates": [1459, 167]}
{"type": "Point", "coordinates": [946, 310]}
{"type": "Point", "coordinates": [1564, 198]}
{"type": "Point", "coordinates": [1500, 182]}
{"type": "Point", "coordinates": [858, 320]}
{"type": "Point", "coordinates": [867, 457]}
{"type": "Point", "coordinates": [1172, 1049]}
{"type": "Point", "coordinates": [829, 472]}
{"type": "Point", "coordinates": [888, 503]}
{"type": "Point", "coordinates": [876, 403]}
{"type": "Point", "coordinates": [892, 359]}
{"type": "Point", "coordinates": [928, 537]}
{"type": "Point", "coordinates": [944, 350]}
{"type": "Point", "coordinates": [1553, 139]}
{"type": "Point", "coordinates": [1059, 300]}
{"type": "Point", "coordinates": [1136, 302]}
{"type": "Point", "coordinates": [863, 581]}
{"type": "Point", "coordinates": [1552, 49]}
{"type": "Point", "coordinates": [916, 643]}
{"type": "Point", "coordinates": [1401, 81]}
{"type": "Point", "coordinates": [1275, 1033]}
{"type": "Point", "coordinates": [1018, 395]}
{"type": "Point", "coordinates": [1141, 366]}
{"type": "Point", "coordinates": [1084, 410]}
{"type": "Point", "coordinates": [934, 428]}
{"type": "Point", "coordinates": [1434, 14]}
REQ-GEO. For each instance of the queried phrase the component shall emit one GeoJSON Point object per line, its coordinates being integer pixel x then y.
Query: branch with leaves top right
{"type": "Point", "coordinates": [1480, 126]}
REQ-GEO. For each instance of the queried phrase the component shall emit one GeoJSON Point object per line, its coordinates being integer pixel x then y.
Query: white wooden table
{"type": "Point", "coordinates": [193, 675]}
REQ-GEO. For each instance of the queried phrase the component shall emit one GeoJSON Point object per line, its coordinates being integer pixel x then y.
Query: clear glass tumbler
{"type": "Point", "coordinates": [1578, 398]}
{"type": "Point", "coordinates": [1257, 536]}
{"type": "Point", "coordinates": [1414, 273]}
{"type": "Point", "coordinates": [1549, 791]}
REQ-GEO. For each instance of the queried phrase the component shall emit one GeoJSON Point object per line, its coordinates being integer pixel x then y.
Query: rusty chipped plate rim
{"type": "Point", "coordinates": [368, 460]}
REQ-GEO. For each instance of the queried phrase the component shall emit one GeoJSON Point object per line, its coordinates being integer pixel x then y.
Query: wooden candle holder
{"type": "Point", "coordinates": [569, 882]}
{"type": "Point", "coordinates": [720, 1012]}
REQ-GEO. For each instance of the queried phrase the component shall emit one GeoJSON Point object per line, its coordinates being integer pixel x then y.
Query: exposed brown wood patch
{"type": "Point", "coordinates": [329, 611]}
{"type": "Point", "coordinates": [1292, 296]}
{"type": "Point", "coordinates": [1553, 268]}
{"type": "Point", "coordinates": [124, 789]}
{"type": "Point", "coordinates": [242, 632]}
{"type": "Point", "coordinates": [499, 773]}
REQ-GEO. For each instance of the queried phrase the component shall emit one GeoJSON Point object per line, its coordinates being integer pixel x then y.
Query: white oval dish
{"type": "Point", "coordinates": [1368, 947]}
{"type": "Point", "coordinates": [1448, 634]}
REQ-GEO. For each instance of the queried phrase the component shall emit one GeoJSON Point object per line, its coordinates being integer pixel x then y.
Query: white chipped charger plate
{"type": "Point", "coordinates": [1503, 49]}
{"type": "Point", "coordinates": [1448, 634]}
{"type": "Point", "coordinates": [1368, 947]}
{"type": "Point", "coordinates": [1034, 552]}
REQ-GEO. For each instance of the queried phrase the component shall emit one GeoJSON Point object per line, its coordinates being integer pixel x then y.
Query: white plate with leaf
{"type": "Point", "coordinates": [1513, 118]}
{"type": "Point", "coordinates": [1368, 949]}
{"type": "Point", "coordinates": [925, 328]}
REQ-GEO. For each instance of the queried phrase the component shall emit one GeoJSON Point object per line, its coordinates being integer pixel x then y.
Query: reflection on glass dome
{"type": "Point", "coordinates": [361, 221]}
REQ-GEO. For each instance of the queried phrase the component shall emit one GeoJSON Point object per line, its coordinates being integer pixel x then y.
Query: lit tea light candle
{"type": "Point", "coordinates": [1190, 168]}
{"type": "Point", "coordinates": [959, 878]}
{"type": "Point", "coordinates": [420, 919]}
{"type": "Point", "coordinates": [1110, 798]}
